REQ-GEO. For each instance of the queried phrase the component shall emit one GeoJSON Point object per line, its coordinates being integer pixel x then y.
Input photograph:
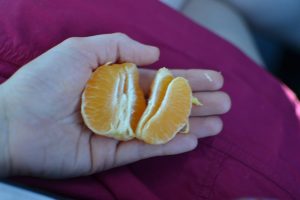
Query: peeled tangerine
{"type": "Point", "coordinates": [114, 105]}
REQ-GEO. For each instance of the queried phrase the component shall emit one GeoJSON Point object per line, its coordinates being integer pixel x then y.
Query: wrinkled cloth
{"type": "Point", "coordinates": [256, 154]}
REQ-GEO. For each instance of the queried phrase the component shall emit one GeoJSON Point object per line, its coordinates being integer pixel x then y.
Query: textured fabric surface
{"type": "Point", "coordinates": [257, 153]}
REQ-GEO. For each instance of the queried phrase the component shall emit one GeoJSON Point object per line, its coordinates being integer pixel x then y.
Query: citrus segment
{"type": "Point", "coordinates": [172, 114]}
{"type": "Point", "coordinates": [157, 93]}
{"type": "Point", "coordinates": [137, 97]}
{"type": "Point", "coordinates": [113, 101]}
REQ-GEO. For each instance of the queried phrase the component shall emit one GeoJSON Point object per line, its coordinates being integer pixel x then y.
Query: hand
{"type": "Point", "coordinates": [45, 134]}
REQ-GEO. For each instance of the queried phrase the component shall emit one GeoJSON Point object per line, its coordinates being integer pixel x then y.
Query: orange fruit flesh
{"type": "Point", "coordinates": [157, 94]}
{"type": "Point", "coordinates": [113, 104]}
{"type": "Point", "coordinates": [172, 115]}
{"type": "Point", "coordinates": [112, 101]}
{"type": "Point", "coordinates": [139, 104]}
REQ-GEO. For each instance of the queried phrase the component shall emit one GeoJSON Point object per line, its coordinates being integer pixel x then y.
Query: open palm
{"type": "Point", "coordinates": [46, 135]}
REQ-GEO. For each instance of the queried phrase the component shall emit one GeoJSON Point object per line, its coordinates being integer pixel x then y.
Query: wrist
{"type": "Point", "coordinates": [4, 147]}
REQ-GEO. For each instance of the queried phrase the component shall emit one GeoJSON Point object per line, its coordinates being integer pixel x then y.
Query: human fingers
{"type": "Point", "coordinates": [205, 126]}
{"type": "Point", "coordinates": [213, 103]}
{"type": "Point", "coordinates": [116, 47]}
{"type": "Point", "coordinates": [199, 79]}
{"type": "Point", "coordinates": [135, 150]}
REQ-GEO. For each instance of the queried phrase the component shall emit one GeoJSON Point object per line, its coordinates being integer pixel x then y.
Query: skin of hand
{"type": "Point", "coordinates": [44, 134]}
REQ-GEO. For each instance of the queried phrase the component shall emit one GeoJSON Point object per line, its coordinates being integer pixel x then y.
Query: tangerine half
{"type": "Point", "coordinates": [112, 101]}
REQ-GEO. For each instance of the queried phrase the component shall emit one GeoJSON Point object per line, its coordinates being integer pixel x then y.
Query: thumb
{"type": "Point", "coordinates": [72, 61]}
{"type": "Point", "coordinates": [117, 47]}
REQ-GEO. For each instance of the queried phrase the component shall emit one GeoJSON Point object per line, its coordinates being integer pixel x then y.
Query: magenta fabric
{"type": "Point", "coordinates": [257, 153]}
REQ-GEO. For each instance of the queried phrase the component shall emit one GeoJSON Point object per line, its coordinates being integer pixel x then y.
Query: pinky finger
{"type": "Point", "coordinates": [205, 126]}
{"type": "Point", "coordinates": [135, 150]}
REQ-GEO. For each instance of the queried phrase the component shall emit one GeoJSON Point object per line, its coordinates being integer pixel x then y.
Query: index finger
{"type": "Point", "coordinates": [199, 79]}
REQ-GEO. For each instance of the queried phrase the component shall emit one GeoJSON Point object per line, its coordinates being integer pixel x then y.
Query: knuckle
{"type": "Point", "coordinates": [119, 36]}
{"type": "Point", "coordinates": [188, 74]}
{"type": "Point", "coordinates": [73, 42]}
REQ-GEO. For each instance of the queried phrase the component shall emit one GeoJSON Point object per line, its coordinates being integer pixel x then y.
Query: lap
{"type": "Point", "coordinates": [262, 122]}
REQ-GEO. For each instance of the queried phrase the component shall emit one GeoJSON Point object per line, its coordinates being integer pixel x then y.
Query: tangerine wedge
{"type": "Point", "coordinates": [168, 109]}
{"type": "Point", "coordinates": [157, 93]}
{"type": "Point", "coordinates": [112, 101]}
